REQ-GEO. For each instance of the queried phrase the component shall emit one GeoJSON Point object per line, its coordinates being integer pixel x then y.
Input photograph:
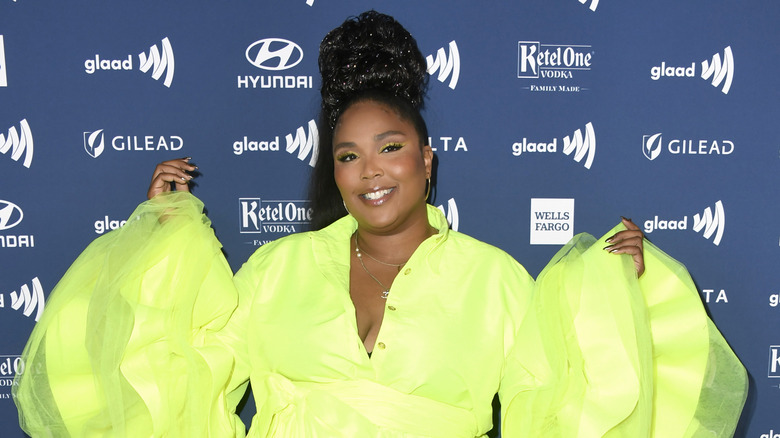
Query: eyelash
{"type": "Point", "coordinates": [349, 156]}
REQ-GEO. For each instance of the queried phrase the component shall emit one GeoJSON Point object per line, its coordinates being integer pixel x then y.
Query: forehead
{"type": "Point", "coordinates": [369, 118]}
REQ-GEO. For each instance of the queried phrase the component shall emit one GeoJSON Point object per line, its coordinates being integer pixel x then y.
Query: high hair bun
{"type": "Point", "coordinates": [370, 52]}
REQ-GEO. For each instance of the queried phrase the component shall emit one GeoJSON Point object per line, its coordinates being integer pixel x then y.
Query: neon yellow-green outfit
{"type": "Point", "coordinates": [149, 334]}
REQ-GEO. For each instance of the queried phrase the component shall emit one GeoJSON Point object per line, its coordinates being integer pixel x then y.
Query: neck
{"type": "Point", "coordinates": [394, 248]}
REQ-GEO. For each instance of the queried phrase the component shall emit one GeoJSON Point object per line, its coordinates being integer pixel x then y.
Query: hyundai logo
{"type": "Point", "coordinates": [10, 215]}
{"type": "Point", "coordinates": [274, 54]}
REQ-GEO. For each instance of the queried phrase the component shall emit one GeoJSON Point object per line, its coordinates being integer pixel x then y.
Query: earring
{"type": "Point", "coordinates": [345, 207]}
{"type": "Point", "coordinates": [428, 191]}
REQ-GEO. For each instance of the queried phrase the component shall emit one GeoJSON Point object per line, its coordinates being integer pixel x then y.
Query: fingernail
{"type": "Point", "coordinates": [609, 240]}
{"type": "Point", "coordinates": [625, 218]}
{"type": "Point", "coordinates": [607, 248]}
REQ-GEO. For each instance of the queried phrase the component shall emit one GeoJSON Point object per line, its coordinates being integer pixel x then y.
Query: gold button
{"type": "Point", "coordinates": [391, 307]}
{"type": "Point", "coordinates": [380, 345]}
{"type": "Point", "coordinates": [407, 271]}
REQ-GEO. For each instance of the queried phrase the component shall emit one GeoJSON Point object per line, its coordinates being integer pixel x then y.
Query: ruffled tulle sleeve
{"type": "Point", "coordinates": [602, 354]}
{"type": "Point", "coordinates": [137, 339]}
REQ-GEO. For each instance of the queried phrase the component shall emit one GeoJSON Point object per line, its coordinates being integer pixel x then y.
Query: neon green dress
{"type": "Point", "coordinates": [150, 334]}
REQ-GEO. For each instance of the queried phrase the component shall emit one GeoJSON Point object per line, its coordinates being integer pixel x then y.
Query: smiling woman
{"type": "Point", "coordinates": [382, 322]}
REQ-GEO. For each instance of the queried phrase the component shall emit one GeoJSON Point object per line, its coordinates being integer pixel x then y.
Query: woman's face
{"type": "Point", "coordinates": [380, 166]}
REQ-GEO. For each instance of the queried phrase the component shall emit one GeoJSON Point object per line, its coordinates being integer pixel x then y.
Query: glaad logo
{"type": "Point", "coordinates": [593, 4]}
{"type": "Point", "coordinates": [771, 434]}
{"type": "Point", "coordinates": [274, 54]}
{"type": "Point", "coordinates": [94, 143]}
{"type": "Point", "coordinates": [275, 217]}
{"type": "Point", "coordinates": [3, 76]}
{"type": "Point", "coordinates": [552, 221]}
{"type": "Point", "coordinates": [104, 225]}
{"type": "Point", "coordinates": [719, 71]}
{"type": "Point", "coordinates": [447, 64]}
{"type": "Point", "coordinates": [19, 143]}
{"type": "Point", "coordinates": [32, 301]}
{"type": "Point", "coordinates": [160, 62]}
{"type": "Point", "coordinates": [536, 60]}
{"type": "Point", "coordinates": [303, 143]}
{"type": "Point", "coordinates": [774, 362]}
{"type": "Point", "coordinates": [310, 2]}
{"type": "Point", "coordinates": [10, 215]}
{"type": "Point", "coordinates": [709, 224]}
{"type": "Point", "coordinates": [652, 145]}
{"type": "Point", "coordinates": [451, 213]}
{"type": "Point", "coordinates": [583, 146]}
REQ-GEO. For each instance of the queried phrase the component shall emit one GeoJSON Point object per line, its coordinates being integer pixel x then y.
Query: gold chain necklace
{"type": "Point", "coordinates": [359, 254]}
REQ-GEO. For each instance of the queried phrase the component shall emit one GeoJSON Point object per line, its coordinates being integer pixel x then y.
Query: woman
{"type": "Point", "coordinates": [382, 323]}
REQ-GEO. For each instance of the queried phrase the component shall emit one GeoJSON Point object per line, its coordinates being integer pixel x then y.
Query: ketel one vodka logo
{"type": "Point", "coordinates": [18, 143]}
{"type": "Point", "coordinates": [718, 71]}
{"type": "Point", "coordinates": [447, 64]}
{"type": "Point", "coordinates": [272, 216]}
{"type": "Point", "coordinates": [159, 61]}
{"type": "Point", "coordinates": [552, 61]}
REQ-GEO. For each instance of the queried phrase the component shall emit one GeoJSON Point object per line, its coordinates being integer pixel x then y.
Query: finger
{"type": "Point", "coordinates": [171, 172]}
{"type": "Point", "coordinates": [626, 235]}
{"type": "Point", "coordinates": [629, 223]}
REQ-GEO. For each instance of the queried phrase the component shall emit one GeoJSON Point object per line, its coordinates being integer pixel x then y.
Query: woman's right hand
{"type": "Point", "coordinates": [172, 171]}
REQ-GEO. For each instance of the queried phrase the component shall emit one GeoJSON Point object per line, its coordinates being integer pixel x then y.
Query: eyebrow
{"type": "Point", "coordinates": [378, 137]}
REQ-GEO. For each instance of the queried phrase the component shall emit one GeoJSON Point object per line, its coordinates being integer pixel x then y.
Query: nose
{"type": "Point", "coordinates": [372, 168]}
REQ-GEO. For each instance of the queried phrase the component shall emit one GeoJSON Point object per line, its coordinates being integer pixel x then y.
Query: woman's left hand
{"type": "Point", "coordinates": [629, 241]}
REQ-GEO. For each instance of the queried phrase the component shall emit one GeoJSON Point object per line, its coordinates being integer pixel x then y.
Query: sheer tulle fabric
{"type": "Point", "coordinates": [133, 343]}
{"type": "Point", "coordinates": [624, 357]}
{"type": "Point", "coordinates": [126, 345]}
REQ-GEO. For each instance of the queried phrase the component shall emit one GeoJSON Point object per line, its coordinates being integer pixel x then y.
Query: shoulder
{"type": "Point", "coordinates": [466, 252]}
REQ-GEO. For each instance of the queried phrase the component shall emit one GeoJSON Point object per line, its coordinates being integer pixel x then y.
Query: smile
{"type": "Point", "coordinates": [372, 196]}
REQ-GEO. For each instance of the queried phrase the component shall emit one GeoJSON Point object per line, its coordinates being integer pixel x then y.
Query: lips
{"type": "Point", "coordinates": [377, 194]}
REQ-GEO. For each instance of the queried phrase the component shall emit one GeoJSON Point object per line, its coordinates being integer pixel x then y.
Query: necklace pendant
{"type": "Point", "coordinates": [385, 294]}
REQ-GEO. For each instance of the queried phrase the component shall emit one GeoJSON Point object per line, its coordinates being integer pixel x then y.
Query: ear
{"type": "Point", "coordinates": [427, 153]}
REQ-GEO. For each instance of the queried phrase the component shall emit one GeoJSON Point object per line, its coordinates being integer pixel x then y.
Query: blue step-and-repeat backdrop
{"type": "Point", "coordinates": [547, 117]}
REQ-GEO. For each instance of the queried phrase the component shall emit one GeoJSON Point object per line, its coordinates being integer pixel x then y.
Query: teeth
{"type": "Point", "coordinates": [376, 195]}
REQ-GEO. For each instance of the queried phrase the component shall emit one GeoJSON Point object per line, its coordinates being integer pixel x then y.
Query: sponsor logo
{"type": "Point", "coordinates": [10, 215]}
{"type": "Point", "coordinates": [771, 434]}
{"type": "Point", "coordinates": [303, 143]}
{"type": "Point", "coordinates": [583, 146]}
{"type": "Point", "coordinates": [774, 300]}
{"type": "Point", "coordinates": [653, 145]}
{"type": "Point", "coordinates": [19, 143]}
{"type": "Point", "coordinates": [593, 4]}
{"type": "Point", "coordinates": [714, 296]}
{"type": "Point", "coordinates": [446, 63]}
{"type": "Point", "coordinates": [274, 54]}
{"type": "Point", "coordinates": [27, 301]}
{"type": "Point", "coordinates": [310, 2]}
{"type": "Point", "coordinates": [3, 76]}
{"type": "Point", "coordinates": [94, 143]}
{"type": "Point", "coordinates": [446, 144]}
{"type": "Point", "coordinates": [552, 221]}
{"type": "Point", "coordinates": [553, 61]}
{"type": "Point", "coordinates": [10, 367]}
{"type": "Point", "coordinates": [710, 224]}
{"type": "Point", "coordinates": [451, 213]}
{"type": "Point", "coordinates": [106, 224]}
{"type": "Point", "coordinates": [774, 361]}
{"type": "Point", "coordinates": [272, 217]}
{"type": "Point", "coordinates": [719, 71]}
{"type": "Point", "coordinates": [159, 62]}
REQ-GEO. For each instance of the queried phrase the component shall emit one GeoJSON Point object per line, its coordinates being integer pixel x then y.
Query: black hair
{"type": "Point", "coordinates": [370, 57]}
